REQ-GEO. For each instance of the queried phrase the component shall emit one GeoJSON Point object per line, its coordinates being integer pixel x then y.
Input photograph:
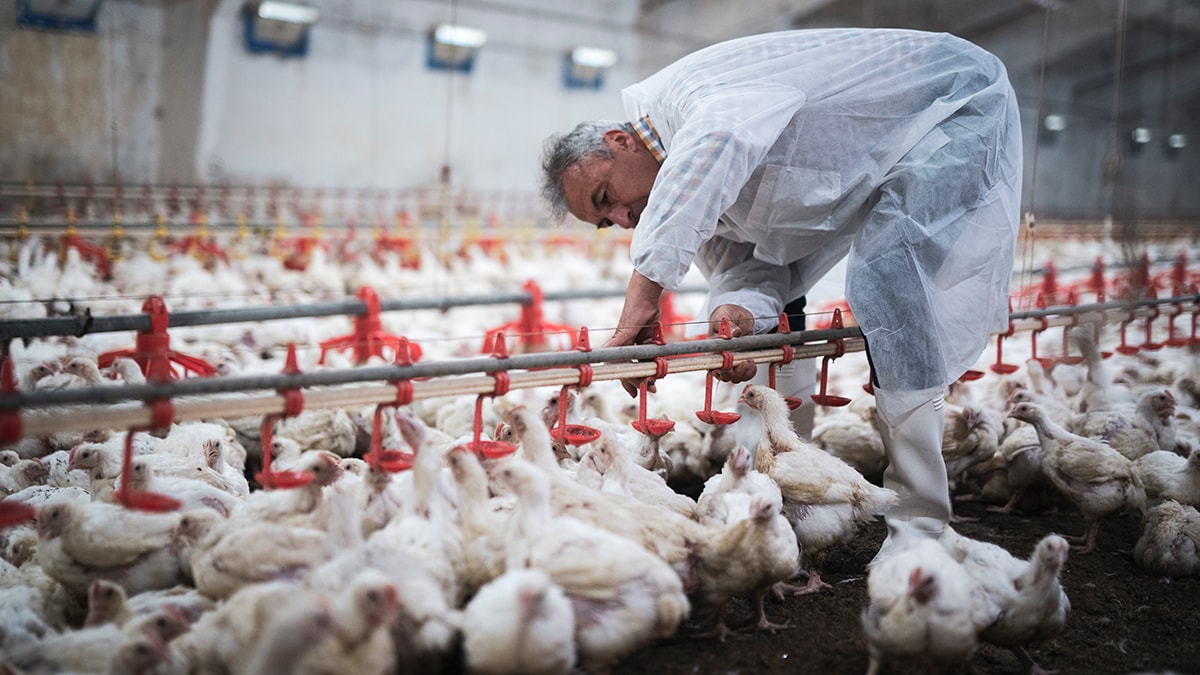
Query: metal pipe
{"type": "Point", "coordinates": [133, 416]}
{"type": "Point", "coordinates": [213, 385]}
{"type": "Point", "coordinates": [79, 326]}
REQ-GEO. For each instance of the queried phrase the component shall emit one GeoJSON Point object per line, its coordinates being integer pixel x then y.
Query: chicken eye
{"type": "Point", "coordinates": [373, 596]}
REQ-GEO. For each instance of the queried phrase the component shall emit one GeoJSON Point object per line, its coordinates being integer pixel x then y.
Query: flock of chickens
{"type": "Point", "coordinates": [567, 555]}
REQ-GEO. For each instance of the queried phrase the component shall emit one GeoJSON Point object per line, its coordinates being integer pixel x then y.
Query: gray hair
{"type": "Point", "coordinates": [562, 151]}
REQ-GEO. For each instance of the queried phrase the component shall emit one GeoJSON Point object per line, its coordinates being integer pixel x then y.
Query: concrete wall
{"type": "Point", "coordinates": [78, 107]}
{"type": "Point", "coordinates": [166, 93]}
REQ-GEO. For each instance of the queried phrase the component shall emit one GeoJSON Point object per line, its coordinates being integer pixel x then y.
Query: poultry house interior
{"type": "Point", "coordinates": [287, 387]}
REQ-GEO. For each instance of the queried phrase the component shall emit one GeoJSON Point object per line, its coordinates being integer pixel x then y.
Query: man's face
{"type": "Point", "coordinates": [606, 192]}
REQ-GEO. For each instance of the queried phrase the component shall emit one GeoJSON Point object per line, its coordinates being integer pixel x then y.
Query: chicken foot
{"type": "Point", "coordinates": [1031, 666]}
{"type": "Point", "coordinates": [1088, 537]}
{"type": "Point", "coordinates": [719, 630]}
{"type": "Point", "coordinates": [763, 623]}
{"type": "Point", "coordinates": [813, 572]}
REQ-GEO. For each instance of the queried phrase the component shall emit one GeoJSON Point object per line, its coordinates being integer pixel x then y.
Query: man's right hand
{"type": "Point", "coordinates": [741, 322]}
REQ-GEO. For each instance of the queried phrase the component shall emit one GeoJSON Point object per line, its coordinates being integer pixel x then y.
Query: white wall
{"type": "Point", "coordinates": [362, 109]}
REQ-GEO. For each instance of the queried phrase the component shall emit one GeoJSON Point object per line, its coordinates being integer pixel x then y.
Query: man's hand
{"type": "Point", "coordinates": [638, 318]}
{"type": "Point", "coordinates": [741, 322]}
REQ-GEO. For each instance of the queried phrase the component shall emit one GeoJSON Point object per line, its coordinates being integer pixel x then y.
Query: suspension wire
{"type": "Point", "coordinates": [1027, 257]}
{"type": "Point", "coordinates": [112, 95]}
{"type": "Point", "coordinates": [445, 177]}
{"type": "Point", "coordinates": [1112, 161]}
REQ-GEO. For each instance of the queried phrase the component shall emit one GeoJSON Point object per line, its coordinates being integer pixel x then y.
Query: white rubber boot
{"type": "Point", "coordinates": [912, 435]}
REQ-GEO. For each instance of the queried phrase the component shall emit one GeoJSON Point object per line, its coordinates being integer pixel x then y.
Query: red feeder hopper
{"type": "Point", "coordinates": [653, 427]}
{"type": "Point", "coordinates": [152, 348]}
{"type": "Point", "coordinates": [999, 366]}
{"type": "Point", "coordinates": [531, 327]}
{"type": "Point", "coordinates": [391, 461]}
{"type": "Point", "coordinates": [200, 246]}
{"type": "Point", "coordinates": [163, 415]}
{"type": "Point", "coordinates": [491, 449]}
{"type": "Point", "coordinates": [824, 398]}
{"type": "Point", "coordinates": [708, 415]}
{"type": "Point", "coordinates": [785, 328]}
{"type": "Point", "coordinates": [575, 434]}
{"type": "Point", "coordinates": [1046, 361]}
{"type": "Point", "coordinates": [92, 253]}
{"type": "Point", "coordinates": [369, 338]}
{"type": "Point", "coordinates": [267, 476]}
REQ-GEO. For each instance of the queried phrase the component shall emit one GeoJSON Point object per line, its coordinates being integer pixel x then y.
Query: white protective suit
{"type": "Point", "coordinates": [786, 151]}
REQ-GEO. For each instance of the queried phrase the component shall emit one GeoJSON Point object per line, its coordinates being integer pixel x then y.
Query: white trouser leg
{"type": "Point", "coordinates": [799, 379]}
{"type": "Point", "coordinates": [912, 435]}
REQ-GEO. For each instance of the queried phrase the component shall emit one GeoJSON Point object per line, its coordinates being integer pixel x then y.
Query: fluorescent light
{"type": "Point", "coordinates": [1055, 122]}
{"type": "Point", "coordinates": [594, 57]}
{"type": "Point", "coordinates": [1142, 135]}
{"type": "Point", "coordinates": [459, 36]}
{"type": "Point", "coordinates": [1177, 141]}
{"type": "Point", "coordinates": [287, 12]}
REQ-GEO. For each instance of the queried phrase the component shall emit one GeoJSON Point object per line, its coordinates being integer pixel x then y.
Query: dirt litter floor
{"type": "Point", "coordinates": [1122, 619]}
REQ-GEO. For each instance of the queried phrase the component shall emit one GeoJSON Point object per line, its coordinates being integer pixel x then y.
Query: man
{"type": "Point", "coordinates": [765, 160]}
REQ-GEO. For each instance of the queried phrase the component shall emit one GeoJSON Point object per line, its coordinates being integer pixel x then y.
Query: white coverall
{"type": "Point", "coordinates": [787, 151]}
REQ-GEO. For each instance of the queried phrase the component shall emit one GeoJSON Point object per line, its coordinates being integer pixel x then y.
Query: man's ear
{"type": "Point", "coordinates": [618, 139]}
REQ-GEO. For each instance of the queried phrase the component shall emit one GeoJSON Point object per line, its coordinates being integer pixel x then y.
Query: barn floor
{"type": "Point", "coordinates": [1122, 620]}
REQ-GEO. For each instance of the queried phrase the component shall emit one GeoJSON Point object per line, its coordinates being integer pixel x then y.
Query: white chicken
{"type": "Point", "coordinates": [622, 475]}
{"type": "Point", "coordinates": [850, 435]}
{"type": "Point", "coordinates": [362, 612]}
{"type": "Point", "coordinates": [1166, 475]}
{"type": "Point", "coordinates": [242, 551]}
{"type": "Point", "coordinates": [426, 528]}
{"type": "Point", "coordinates": [265, 628]}
{"type": "Point", "coordinates": [749, 555]}
{"type": "Point", "coordinates": [923, 607]}
{"type": "Point", "coordinates": [192, 493]}
{"type": "Point", "coordinates": [824, 498]}
{"type": "Point", "coordinates": [623, 596]}
{"type": "Point", "coordinates": [1132, 431]}
{"type": "Point", "coordinates": [520, 623]}
{"type": "Point", "coordinates": [425, 625]}
{"type": "Point", "coordinates": [1028, 598]}
{"type": "Point", "coordinates": [1098, 392]}
{"type": "Point", "coordinates": [668, 535]}
{"type": "Point", "coordinates": [484, 528]}
{"type": "Point", "coordinates": [1096, 478]}
{"type": "Point", "coordinates": [331, 430]}
{"type": "Point", "coordinates": [970, 435]}
{"type": "Point", "coordinates": [726, 496]}
{"type": "Point", "coordinates": [78, 543]}
{"type": "Point", "coordinates": [1170, 540]}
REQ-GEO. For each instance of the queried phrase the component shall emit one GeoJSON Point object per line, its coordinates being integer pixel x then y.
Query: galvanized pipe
{"type": "Point", "coordinates": [214, 385]}
{"type": "Point", "coordinates": [79, 326]}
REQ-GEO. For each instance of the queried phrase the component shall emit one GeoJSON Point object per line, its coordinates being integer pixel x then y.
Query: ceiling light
{"type": "Point", "coordinates": [452, 47]}
{"type": "Point", "coordinates": [593, 57]}
{"type": "Point", "coordinates": [584, 67]}
{"type": "Point", "coordinates": [1177, 141]}
{"type": "Point", "coordinates": [1054, 123]}
{"type": "Point", "coordinates": [287, 12]}
{"type": "Point", "coordinates": [459, 36]}
{"type": "Point", "coordinates": [1142, 135]}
